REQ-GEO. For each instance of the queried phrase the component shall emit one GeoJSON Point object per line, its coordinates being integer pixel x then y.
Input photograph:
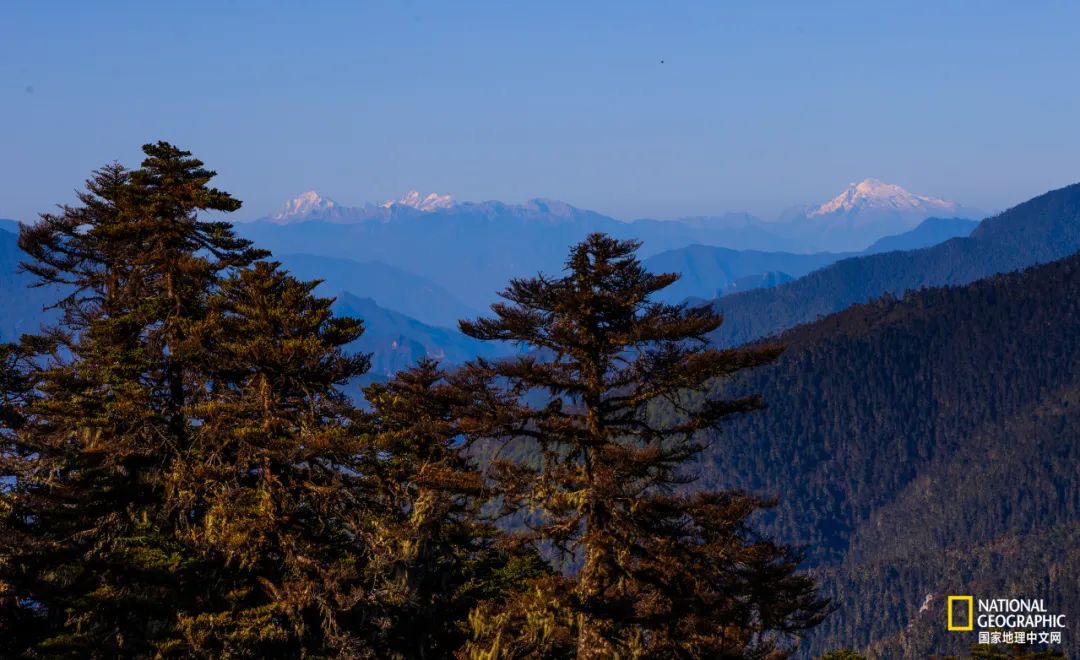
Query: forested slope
{"type": "Point", "coordinates": [924, 446]}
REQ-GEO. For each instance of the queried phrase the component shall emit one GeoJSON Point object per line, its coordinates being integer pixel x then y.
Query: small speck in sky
{"type": "Point", "coordinates": [29, 89]}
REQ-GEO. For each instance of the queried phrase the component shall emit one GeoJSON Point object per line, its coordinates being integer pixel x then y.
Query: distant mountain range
{"type": "Point", "coordinates": [313, 206]}
{"type": "Point", "coordinates": [21, 306]}
{"type": "Point", "coordinates": [473, 249]}
{"type": "Point", "coordinates": [435, 260]}
{"type": "Point", "coordinates": [708, 272]}
{"type": "Point", "coordinates": [861, 204]}
{"type": "Point", "coordinates": [397, 342]}
{"type": "Point", "coordinates": [393, 288]}
{"type": "Point", "coordinates": [449, 261]}
{"type": "Point", "coordinates": [411, 315]}
{"type": "Point", "coordinates": [1038, 231]}
{"type": "Point", "coordinates": [929, 232]}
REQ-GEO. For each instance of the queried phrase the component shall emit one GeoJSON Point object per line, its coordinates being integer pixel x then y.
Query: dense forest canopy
{"type": "Point", "coordinates": [924, 446]}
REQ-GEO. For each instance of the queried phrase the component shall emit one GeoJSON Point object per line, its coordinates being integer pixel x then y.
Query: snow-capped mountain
{"type": "Point", "coordinates": [870, 201]}
{"type": "Point", "coordinates": [313, 206]}
{"type": "Point", "coordinates": [303, 206]}
{"type": "Point", "coordinates": [863, 213]}
{"type": "Point", "coordinates": [429, 202]}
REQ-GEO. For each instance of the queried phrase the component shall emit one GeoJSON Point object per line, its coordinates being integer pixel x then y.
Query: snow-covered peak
{"type": "Point", "coordinates": [546, 205]}
{"type": "Point", "coordinates": [875, 196]}
{"type": "Point", "coordinates": [303, 206]}
{"type": "Point", "coordinates": [429, 202]}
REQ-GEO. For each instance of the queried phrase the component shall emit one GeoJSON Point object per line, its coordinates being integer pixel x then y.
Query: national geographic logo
{"type": "Point", "coordinates": [1005, 620]}
{"type": "Point", "coordinates": [970, 616]}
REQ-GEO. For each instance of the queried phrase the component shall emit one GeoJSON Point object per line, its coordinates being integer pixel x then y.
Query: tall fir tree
{"type": "Point", "coordinates": [178, 463]}
{"type": "Point", "coordinates": [17, 622]}
{"type": "Point", "coordinates": [272, 489]}
{"type": "Point", "coordinates": [613, 401]}
{"type": "Point", "coordinates": [434, 554]}
{"type": "Point", "coordinates": [85, 547]}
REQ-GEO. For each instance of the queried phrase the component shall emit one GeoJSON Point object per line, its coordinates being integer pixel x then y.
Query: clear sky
{"type": "Point", "coordinates": [633, 108]}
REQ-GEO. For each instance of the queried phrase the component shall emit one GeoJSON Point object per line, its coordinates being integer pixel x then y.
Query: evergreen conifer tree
{"type": "Point", "coordinates": [613, 400]}
{"type": "Point", "coordinates": [272, 489]}
{"type": "Point", "coordinates": [85, 547]}
{"type": "Point", "coordinates": [180, 467]}
{"type": "Point", "coordinates": [434, 555]}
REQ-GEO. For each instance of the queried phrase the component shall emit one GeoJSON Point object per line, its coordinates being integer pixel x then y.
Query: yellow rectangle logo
{"type": "Point", "coordinates": [970, 613]}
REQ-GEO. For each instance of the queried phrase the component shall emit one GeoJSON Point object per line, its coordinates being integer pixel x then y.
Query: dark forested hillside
{"type": "Point", "coordinates": [927, 446]}
{"type": "Point", "coordinates": [1039, 230]}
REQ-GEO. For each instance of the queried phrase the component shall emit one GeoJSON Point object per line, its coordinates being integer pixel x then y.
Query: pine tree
{"type": "Point", "coordinates": [613, 401]}
{"type": "Point", "coordinates": [87, 549]}
{"type": "Point", "coordinates": [272, 489]}
{"type": "Point", "coordinates": [104, 549]}
{"type": "Point", "coordinates": [435, 555]}
{"type": "Point", "coordinates": [17, 622]}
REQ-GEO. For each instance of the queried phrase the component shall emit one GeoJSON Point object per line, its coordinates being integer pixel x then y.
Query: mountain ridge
{"type": "Point", "coordinates": [390, 287]}
{"type": "Point", "coordinates": [708, 271]}
{"type": "Point", "coordinates": [1040, 230]}
{"type": "Point", "coordinates": [395, 339]}
{"type": "Point", "coordinates": [398, 341]}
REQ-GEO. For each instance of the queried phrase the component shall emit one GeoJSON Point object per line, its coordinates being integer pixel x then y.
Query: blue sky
{"type": "Point", "coordinates": [756, 106]}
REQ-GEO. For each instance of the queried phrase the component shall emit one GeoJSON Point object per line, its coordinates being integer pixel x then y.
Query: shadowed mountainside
{"type": "Point", "coordinates": [923, 447]}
